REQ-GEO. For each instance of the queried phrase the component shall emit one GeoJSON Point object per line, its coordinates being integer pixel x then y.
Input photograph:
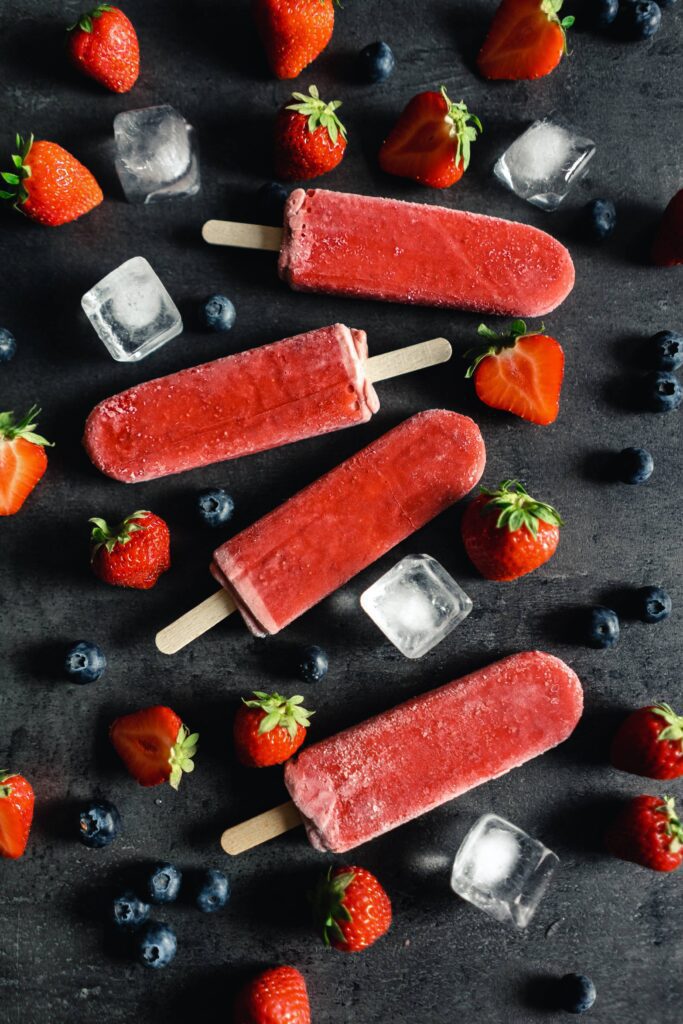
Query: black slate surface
{"type": "Point", "coordinates": [443, 960]}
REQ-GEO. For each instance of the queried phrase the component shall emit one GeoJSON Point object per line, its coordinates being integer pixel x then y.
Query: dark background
{"type": "Point", "coordinates": [443, 960]}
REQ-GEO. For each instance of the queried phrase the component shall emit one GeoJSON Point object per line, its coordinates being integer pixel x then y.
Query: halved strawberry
{"type": "Point", "coordinates": [667, 249]}
{"type": "Point", "coordinates": [16, 814]}
{"type": "Point", "coordinates": [520, 371]}
{"type": "Point", "coordinates": [431, 140]}
{"type": "Point", "coordinates": [154, 745]}
{"type": "Point", "coordinates": [526, 40]}
{"type": "Point", "coordinates": [22, 459]}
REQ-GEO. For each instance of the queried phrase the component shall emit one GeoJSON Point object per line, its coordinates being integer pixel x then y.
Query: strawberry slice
{"type": "Point", "coordinates": [16, 814]}
{"type": "Point", "coordinates": [431, 140]}
{"type": "Point", "coordinates": [526, 40]}
{"type": "Point", "coordinates": [667, 249]}
{"type": "Point", "coordinates": [520, 372]}
{"type": "Point", "coordinates": [22, 459]}
{"type": "Point", "coordinates": [154, 745]}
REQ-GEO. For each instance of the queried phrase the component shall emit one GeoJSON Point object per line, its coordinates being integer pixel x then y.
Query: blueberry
{"type": "Point", "coordinates": [635, 465]}
{"type": "Point", "coordinates": [215, 506]}
{"type": "Point", "coordinates": [8, 345]}
{"type": "Point", "coordinates": [640, 19]}
{"type": "Point", "coordinates": [654, 604]}
{"type": "Point", "coordinates": [663, 391]}
{"type": "Point", "coordinates": [128, 911]}
{"type": "Point", "coordinates": [576, 993]}
{"type": "Point", "coordinates": [602, 627]}
{"type": "Point", "coordinates": [376, 62]}
{"type": "Point", "coordinates": [313, 664]}
{"type": "Point", "coordinates": [156, 944]}
{"type": "Point", "coordinates": [666, 349]}
{"type": "Point", "coordinates": [100, 823]}
{"type": "Point", "coordinates": [85, 662]}
{"type": "Point", "coordinates": [270, 203]}
{"type": "Point", "coordinates": [604, 12]}
{"type": "Point", "coordinates": [601, 219]}
{"type": "Point", "coordinates": [163, 883]}
{"type": "Point", "coordinates": [213, 891]}
{"type": "Point", "coordinates": [218, 313]}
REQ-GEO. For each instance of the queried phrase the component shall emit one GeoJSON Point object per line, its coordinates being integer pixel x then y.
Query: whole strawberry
{"type": "Point", "coordinates": [309, 137]}
{"type": "Point", "coordinates": [650, 742]}
{"type": "Point", "coordinates": [276, 996]}
{"type": "Point", "coordinates": [48, 184]}
{"type": "Point", "coordinates": [270, 729]}
{"type": "Point", "coordinates": [648, 832]}
{"type": "Point", "coordinates": [22, 459]}
{"type": "Point", "coordinates": [293, 32]}
{"type": "Point", "coordinates": [16, 814]}
{"type": "Point", "coordinates": [507, 533]}
{"type": "Point", "coordinates": [103, 44]}
{"type": "Point", "coordinates": [132, 554]}
{"type": "Point", "coordinates": [352, 908]}
{"type": "Point", "coordinates": [154, 745]}
{"type": "Point", "coordinates": [667, 248]}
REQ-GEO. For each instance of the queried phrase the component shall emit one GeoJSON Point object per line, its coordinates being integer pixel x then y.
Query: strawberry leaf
{"type": "Point", "coordinates": [517, 509]}
{"type": "Point", "coordinates": [280, 712]}
{"type": "Point", "coordinates": [464, 132]}
{"type": "Point", "coordinates": [319, 113]}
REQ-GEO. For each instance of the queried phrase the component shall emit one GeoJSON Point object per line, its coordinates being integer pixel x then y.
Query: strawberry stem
{"type": "Point", "coordinates": [183, 751]}
{"type": "Point", "coordinates": [103, 535]}
{"type": "Point", "coordinates": [328, 904]}
{"type": "Point", "coordinates": [319, 113]}
{"type": "Point", "coordinates": [496, 342]}
{"type": "Point", "coordinates": [25, 428]}
{"type": "Point", "coordinates": [280, 711]}
{"type": "Point", "coordinates": [18, 192]}
{"type": "Point", "coordinates": [458, 116]}
{"type": "Point", "coordinates": [85, 21]}
{"type": "Point", "coordinates": [516, 508]}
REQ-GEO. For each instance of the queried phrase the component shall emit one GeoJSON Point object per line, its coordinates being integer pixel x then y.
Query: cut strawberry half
{"type": "Point", "coordinates": [526, 40]}
{"type": "Point", "coordinates": [22, 459]}
{"type": "Point", "coordinates": [154, 745]}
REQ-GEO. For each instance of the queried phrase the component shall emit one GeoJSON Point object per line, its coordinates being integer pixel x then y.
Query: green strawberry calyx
{"type": "Point", "coordinates": [17, 192]}
{"type": "Point", "coordinates": [495, 343]}
{"type": "Point", "coordinates": [182, 753]}
{"type": "Point", "coordinates": [103, 535]}
{"type": "Point", "coordinates": [5, 791]}
{"type": "Point", "coordinates": [319, 113]}
{"type": "Point", "coordinates": [85, 21]}
{"type": "Point", "coordinates": [673, 827]}
{"type": "Point", "coordinates": [458, 118]}
{"type": "Point", "coordinates": [25, 428]}
{"type": "Point", "coordinates": [516, 508]}
{"type": "Point", "coordinates": [674, 722]}
{"type": "Point", "coordinates": [551, 9]}
{"type": "Point", "coordinates": [328, 904]}
{"type": "Point", "coordinates": [285, 712]}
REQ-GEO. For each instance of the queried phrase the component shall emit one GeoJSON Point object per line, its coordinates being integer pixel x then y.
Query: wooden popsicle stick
{"type": "Point", "coordinates": [192, 624]}
{"type": "Point", "coordinates": [242, 236]}
{"type": "Point", "coordinates": [407, 360]}
{"type": "Point", "coordinates": [260, 829]}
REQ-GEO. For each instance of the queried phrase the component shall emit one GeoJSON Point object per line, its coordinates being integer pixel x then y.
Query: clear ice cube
{"type": "Point", "coordinates": [131, 311]}
{"type": "Point", "coordinates": [544, 163]}
{"type": "Point", "coordinates": [156, 154]}
{"type": "Point", "coordinates": [502, 870]}
{"type": "Point", "coordinates": [416, 604]}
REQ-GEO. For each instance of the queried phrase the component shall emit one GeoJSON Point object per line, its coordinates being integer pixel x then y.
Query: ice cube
{"type": "Point", "coordinates": [416, 604]}
{"type": "Point", "coordinates": [502, 870]}
{"type": "Point", "coordinates": [544, 163]}
{"type": "Point", "coordinates": [131, 311]}
{"type": "Point", "coordinates": [156, 156]}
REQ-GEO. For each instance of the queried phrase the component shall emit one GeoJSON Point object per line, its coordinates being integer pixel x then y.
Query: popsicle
{"type": "Point", "coordinates": [285, 563]}
{"type": "Point", "coordinates": [300, 387]}
{"type": "Point", "coordinates": [374, 248]}
{"type": "Point", "coordinates": [400, 764]}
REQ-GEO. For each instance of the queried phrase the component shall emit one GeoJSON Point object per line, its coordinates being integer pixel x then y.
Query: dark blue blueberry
{"type": "Point", "coordinates": [213, 891]}
{"type": "Point", "coordinates": [156, 944]}
{"type": "Point", "coordinates": [602, 627]}
{"type": "Point", "coordinates": [635, 465]}
{"type": "Point", "coordinates": [270, 203]}
{"type": "Point", "coordinates": [576, 993]}
{"type": "Point", "coordinates": [603, 12]}
{"type": "Point", "coordinates": [667, 350]}
{"type": "Point", "coordinates": [99, 824]}
{"type": "Point", "coordinates": [654, 604]}
{"type": "Point", "coordinates": [85, 662]}
{"type": "Point", "coordinates": [163, 883]}
{"type": "Point", "coordinates": [215, 506]}
{"type": "Point", "coordinates": [313, 664]}
{"type": "Point", "coordinates": [640, 19]}
{"type": "Point", "coordinates": [218, 313]}
{"type": "Point", "coordinates": [8, 345]}
{"type": "Point", "coordinates": [128, 911]}
{"type": "Point", "coordinates": [663, 391]}
{"type": "Point", "coordinates": [376, 62]}
{"type": "Point", "coordinates": [601, 219]}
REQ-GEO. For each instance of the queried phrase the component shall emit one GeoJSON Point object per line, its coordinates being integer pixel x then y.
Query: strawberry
{"type": "Point", "coordinates": [352, 908]}
{"type": "Point", "coordinates": [22, 459]}
{"type": "Point", "coordinates": [667, 248]}
{"type": "Point", "coordinates": [507, 533]}
{"type": "Point", "coordinates": [650, 742]}
{"type": "Point", "coordinates": [154, 745]}
{"type": "Point", "coordinates": [134, 553]}
{"type": "Point", "coordinates": [270, 729]}
{"type": "Point", "coordinates": [648, 832]}
{"type": "Point", "coordinates": [431, 140]}
{"type": "Point", "coordinates": [520, 372]}
{"type": "Point", "coordinates": [526, 39]}
{"type": "Point", "coordinates": [309, 137]}
{"type": "Point", "coordinates": [293, 32]}
{"type": "Point", "coordinates": [48, 184]}
{"type": "Point", "coordinates": [104, 45]}
{"type": "Point", "coordinates": [16, 814]}
{"type": "Point", "coordinates": [276, 996]}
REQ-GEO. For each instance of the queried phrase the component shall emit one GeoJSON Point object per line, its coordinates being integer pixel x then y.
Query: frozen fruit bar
{"type": "Point", "coordinates": [407, 761]}
{"type": "Point", "coordinates": [408, 252]}
{"type": "Point", "coordinates": [270, 396]}
{"type": "Point", "coordinates": [296, 555]}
